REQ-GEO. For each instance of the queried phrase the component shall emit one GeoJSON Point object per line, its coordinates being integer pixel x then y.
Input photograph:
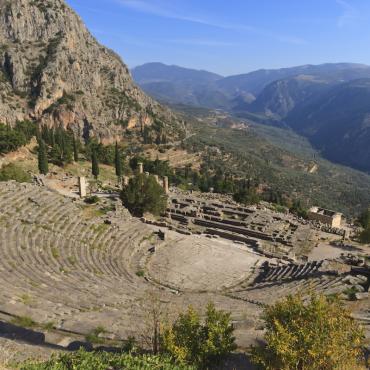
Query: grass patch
{"type": "Point", "coordinates": [48, 326]}
{"type": "Point", "coordinates": [94, 338]}
{"type": "Point", "coordinates": [23, 321]}
{"type": "Point", "coordinates": [26, 299]}
{"type": "Point", "coordinates": [140, 273]}
{"type": "Point", "coordinates": [91, 212]}
{"type": "Point", "coordinates": [72, 260]}
{"type": "Point", "coordinates": [55, 252]}
{"type": "Point", "coordinates": [351, 293]}
{"type": "Point", "coordinates": [100, 229]}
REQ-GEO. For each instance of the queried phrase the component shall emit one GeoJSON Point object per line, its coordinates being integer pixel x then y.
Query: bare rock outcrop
{"type": "Point", "coordinates": [54, 71]}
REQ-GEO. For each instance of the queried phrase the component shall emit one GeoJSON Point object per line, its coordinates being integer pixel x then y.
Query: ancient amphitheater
{"type": "Point", "coordinates": [77, 267]}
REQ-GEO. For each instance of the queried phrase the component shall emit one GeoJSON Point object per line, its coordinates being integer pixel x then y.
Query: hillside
{"type": "Point", "coordinates": [255, 82]}
{"type": "Point", "coordinates": [337, 123]}
{"type": "Point", "coordinates": [276, 91]}
{"type": "Point", "coordinates": [277, 159]}
{"type": "Point", "coordinates": [55, 72]}
{"type": "Point", "coordinates": [280, 97]}
{"type": "Point", "coordinates": [178, 85]}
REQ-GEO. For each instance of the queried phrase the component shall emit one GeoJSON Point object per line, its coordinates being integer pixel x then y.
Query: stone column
{"type": "Point", "coordinates": [156, 178]}
{"type": "Point", "coordinates": [165, 185]}
{"type": "Point", "coordinates": [82, 186]}
{"type": "Point", "coordinates": [141, 168]}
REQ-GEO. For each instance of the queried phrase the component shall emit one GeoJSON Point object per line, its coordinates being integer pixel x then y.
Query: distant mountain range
{"type": "Point", "coordinates": [329, 103]}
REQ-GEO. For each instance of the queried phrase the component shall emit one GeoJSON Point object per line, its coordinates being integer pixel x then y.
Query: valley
{"type": "Point", "coordinates": [305, 99]}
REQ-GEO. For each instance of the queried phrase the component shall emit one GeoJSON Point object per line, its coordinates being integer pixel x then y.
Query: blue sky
{"type": "Point", "coordinates": [231, 36]}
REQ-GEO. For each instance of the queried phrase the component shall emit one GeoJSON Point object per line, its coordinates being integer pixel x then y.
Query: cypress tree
{"type": "Point", "coordinates": [94, 164]}
{"type": "Point", "coordinates": [75, 149]}
{"type": "Point", "coordinates": [118, 162]}
{"type": "Point", "coordinates": [42, 158]}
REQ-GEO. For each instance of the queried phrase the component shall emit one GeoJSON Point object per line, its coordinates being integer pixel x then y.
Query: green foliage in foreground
{"type": "Point", "coordinates": [143, 194]}
{"type": "Point", "coordinates": [319, 334]}
{"type": "Point", "coordinates": [103, 361]}
{"type": "Point", "coordinates": [192, 342]}
{"type": "Point", "coordinates": [13, 172]}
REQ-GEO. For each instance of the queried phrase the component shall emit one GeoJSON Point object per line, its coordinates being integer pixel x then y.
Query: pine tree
{"type": "Point", "coordinates": [75, 149]}
{"type": "Point", "coordinates": [43, 158]}
{"type": "Point", "coordinates": [94, 164]}
{"type": "Point", "coordinates": [118, 162]}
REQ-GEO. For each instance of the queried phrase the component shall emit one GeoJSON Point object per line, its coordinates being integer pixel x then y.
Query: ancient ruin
{"type": "Point", "coordinates": [81, 266]}
{"type": "Point", "coordinates": [325, 216]}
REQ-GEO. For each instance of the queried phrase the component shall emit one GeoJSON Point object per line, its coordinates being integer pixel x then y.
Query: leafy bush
{"type": "Point", "coordinates": [192, 342]}
{"type": "Point", "coordinates": [13, 138]}
{"type": "Point", "coordinates": [144, 194]}
{"type": "Point", "coordinates": [82, 360]}
{"type": "Point", "coordinates": [92, 200]}
{"type": "Point", "coordinates": [316, 335]}
{"type": "Point", "coordinates": [13, 172]}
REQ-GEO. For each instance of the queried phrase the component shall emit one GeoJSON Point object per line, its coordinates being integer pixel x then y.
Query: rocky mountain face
{"type": "Point", "coordinates": [54, 71]}
{"type": "Point", "coordinates": [282, 96]}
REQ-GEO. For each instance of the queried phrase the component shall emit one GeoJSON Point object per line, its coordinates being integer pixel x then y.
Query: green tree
{"type": "Point", "coordinates": [190, 341]}
{"type": "Point", "coordinates": [144, 194]}
{"type": "Point", "coordinates": [118, 162]}
{"type": "Point", "coordinates": [13, 172]}
{"type": "Point", "coordinates": [42, 158]}
{"type": "Point", "coordinates": [364, 218]}
{"type": "Point", "coordinates": [75, 149]}
{"type": "Point", "coordinates": [364, 236]}
{"type": "Point", "coordinates": [298, 209]}
{"type": "Point", "coordinates": [94, 164]}
{"type": "Point", "coordinates": [316, 335]}
{"type": "Point", "coordinates": [247, 194]}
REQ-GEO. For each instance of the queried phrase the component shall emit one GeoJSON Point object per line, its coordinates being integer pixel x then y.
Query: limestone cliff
{"type": "Point", "coordinates": [54, 71]}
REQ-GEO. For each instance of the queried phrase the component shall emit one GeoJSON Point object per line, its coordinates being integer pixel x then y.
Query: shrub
{"type": "Point", "coordinates": [13, 172]}
{"type": "Point", "coordinates": [13, 138]}
{"type": "Point", "coordinates": [92, 200]}
{"type": "Point", "coordinates": [192, 342]}
{"type": "Point", "coordinates": [319, 334]}
{"type": "Point", "coordinates": [93, 337]}
{"type": "Point", "coordinates": [82, 360]}
{"type": "Point", "coordinates": [144, 194]}
{"type": "Point", "coordinates": [23, 321]}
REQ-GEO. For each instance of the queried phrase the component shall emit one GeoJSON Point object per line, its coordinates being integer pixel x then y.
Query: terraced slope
{"type": "Point", "coordinates": [76, 266]}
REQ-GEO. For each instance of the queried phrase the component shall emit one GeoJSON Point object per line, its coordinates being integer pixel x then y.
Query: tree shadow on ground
{"type": "Point", "coordinates": [32, 337]}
